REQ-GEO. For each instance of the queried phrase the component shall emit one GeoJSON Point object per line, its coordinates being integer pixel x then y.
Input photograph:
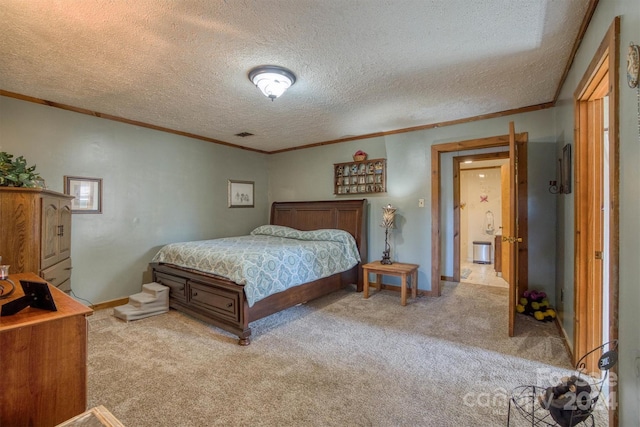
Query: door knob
{"type": "Point", "coordinates": [510, 239]}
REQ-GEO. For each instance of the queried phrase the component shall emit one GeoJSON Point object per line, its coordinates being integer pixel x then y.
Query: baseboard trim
{"type": "Point", "coordinates": [565, 338]}
{"type": "Point", "coordinates": [110, 304]}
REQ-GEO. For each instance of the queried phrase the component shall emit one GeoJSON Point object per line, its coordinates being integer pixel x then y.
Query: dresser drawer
{"type": "Point", "coordinates": [58, 274]}
{"type": "Point", "coordinates": [65, 286]}
{"type": "Point", "coordinates": [177, 285]}
{"type": "Point", "coordinates": [213, 299]}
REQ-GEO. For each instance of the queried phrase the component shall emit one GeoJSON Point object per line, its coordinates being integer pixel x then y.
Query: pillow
{"type": "Point", "coordinates": [325, 234]}
{"type": "Point", "coordinates": [277, 230]}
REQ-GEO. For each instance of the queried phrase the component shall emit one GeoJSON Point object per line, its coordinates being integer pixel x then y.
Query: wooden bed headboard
{"type": "Point", "coordinates": [348, 215]}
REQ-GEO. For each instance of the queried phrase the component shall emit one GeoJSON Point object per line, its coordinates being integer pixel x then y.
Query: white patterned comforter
{"type": "Point", "coordinates": [269, 260]}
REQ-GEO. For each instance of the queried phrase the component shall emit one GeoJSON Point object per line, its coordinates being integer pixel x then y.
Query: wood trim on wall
{"type": "Point", "coordinates": [228, 144]}
{"type": "Point", "coordinates": [424, 127]}
{"type": "Point", "coordinates": [120, 119]}
{"type": "Point", "coordinates": [435, 221]}
{"type": "Point", "coordinates": [591, 8]}
{"type": "Point", "coordinates": [605, 64]}
{"type": "Point", "coordinates": [456, 219]}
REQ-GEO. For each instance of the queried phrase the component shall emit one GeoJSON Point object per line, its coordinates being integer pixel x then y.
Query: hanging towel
{"type": "Point", "coordinates": [488, 223]}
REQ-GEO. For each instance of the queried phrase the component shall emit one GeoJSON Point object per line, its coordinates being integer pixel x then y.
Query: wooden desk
{"type": "Point", "coordinates": [43, 357]}
{"type": "Point", "coordinates": [395, 269]}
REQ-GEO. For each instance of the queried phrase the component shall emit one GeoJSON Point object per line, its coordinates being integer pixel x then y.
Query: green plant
{"type": "Point", "coordinates": [15, 173]}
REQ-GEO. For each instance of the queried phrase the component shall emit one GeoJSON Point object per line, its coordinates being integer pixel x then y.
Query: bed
{"type": "Point", "coordinates": [224, 303]}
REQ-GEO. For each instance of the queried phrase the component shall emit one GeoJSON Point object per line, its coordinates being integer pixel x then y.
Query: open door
{"type": "Point", "coordinates": [505, 193]}
{"type": "Point", "coordinates": [510, 235]}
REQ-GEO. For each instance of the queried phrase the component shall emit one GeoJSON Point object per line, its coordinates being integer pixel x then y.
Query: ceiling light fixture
{"type": "Point", "coordinates": [272, 80]}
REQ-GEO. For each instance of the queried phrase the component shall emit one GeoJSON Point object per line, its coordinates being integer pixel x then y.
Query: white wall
{"type": "Point", "coordinates": [157, 188]}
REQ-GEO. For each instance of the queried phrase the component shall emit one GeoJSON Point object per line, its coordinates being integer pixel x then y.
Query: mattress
{"type": "Point", "coordinates": [270, 259]}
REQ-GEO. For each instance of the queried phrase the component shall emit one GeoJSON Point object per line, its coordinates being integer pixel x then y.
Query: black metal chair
{"type": "Point", "coordinates": [570, 403]}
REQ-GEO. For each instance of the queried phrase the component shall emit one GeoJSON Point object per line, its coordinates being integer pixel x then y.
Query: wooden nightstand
{"type": "Point", "coordinates": [395, 269]}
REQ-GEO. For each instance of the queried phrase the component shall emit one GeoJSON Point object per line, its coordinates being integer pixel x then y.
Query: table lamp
{"type": "Point", "coordinates": [388, 217]}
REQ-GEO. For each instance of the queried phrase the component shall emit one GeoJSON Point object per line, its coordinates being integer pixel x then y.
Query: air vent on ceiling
{"type": "Point", "coordinates": [244, 134]}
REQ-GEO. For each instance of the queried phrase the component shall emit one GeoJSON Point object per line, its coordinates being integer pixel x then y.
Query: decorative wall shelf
{"type": "Point", "coordinates": [367, 176]}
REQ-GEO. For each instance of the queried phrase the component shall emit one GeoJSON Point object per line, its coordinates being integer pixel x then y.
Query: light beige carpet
{"type": "Point", "coordinates": [337, 361]}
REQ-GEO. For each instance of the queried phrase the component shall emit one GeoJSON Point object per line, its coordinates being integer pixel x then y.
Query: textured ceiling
{"type": "Point", "coordinates": [362, 66]}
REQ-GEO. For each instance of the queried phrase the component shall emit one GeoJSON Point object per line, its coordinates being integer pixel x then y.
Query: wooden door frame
{"type": "Point", "coordinates": [456, 202]}
{"type": "Point", "coordinates": [604, 65]}
{"type": "Point", "coordinates": [475, 144]}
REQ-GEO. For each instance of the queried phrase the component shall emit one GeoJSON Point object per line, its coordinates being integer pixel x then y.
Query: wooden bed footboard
{"type": "Point", "coordinates": [222, 303]}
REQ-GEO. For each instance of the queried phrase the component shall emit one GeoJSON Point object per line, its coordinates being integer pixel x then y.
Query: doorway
{"type": "Point", "coordinates": [596, 203]}
{"type": "Point", "coordinates": [518, 249]}
{"type": "Point", "coordinates": [478, 189]}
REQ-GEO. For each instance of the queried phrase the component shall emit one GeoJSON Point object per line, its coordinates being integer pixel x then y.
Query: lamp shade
{"type": "Point", "coordinates": [272, 80]}
{"type": "Point", "coordinates": [388, 216]}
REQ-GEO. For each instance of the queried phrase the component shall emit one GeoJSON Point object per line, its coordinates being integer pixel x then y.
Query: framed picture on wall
{"type": "Point", "coordinates": [241, 194]}
{"type": "Point", "coordinates": [87, 193]}
{"type": "Point", "coordinates": [566, 169]}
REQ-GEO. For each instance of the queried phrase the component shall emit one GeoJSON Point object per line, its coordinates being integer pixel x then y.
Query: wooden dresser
{"type": "Point", "coordinates": [35, 233]}
{"type": "Point", "coordinates": [44, 360]}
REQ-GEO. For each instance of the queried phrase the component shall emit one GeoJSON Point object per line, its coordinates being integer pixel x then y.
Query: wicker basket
{"type": "Point", "coordinates": [359, 157]}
